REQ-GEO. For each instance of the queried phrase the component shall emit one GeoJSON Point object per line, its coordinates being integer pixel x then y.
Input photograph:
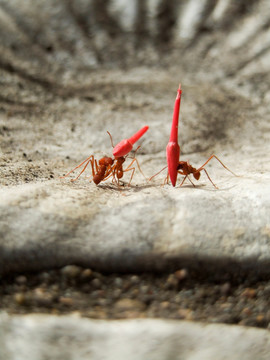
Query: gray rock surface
{"type": "Point", "coordinates": [69, 337]}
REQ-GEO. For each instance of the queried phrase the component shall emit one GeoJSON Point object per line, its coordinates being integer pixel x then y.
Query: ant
{"type": "Point", "coordinates": [175, 166]}
{"type": "Point", "coordinates": [185, 168]}
{"type": "Point", "coordinates": [108, 166]}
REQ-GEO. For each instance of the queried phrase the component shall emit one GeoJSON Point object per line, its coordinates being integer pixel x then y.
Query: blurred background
{"type": "Point", "coordinates": [54, 43]}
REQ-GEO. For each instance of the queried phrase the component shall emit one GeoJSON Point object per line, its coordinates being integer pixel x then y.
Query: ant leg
{"type": "Point", "coordinates": [157, 173]}
{"type": "Point", "coordinates": [137, 162]}
{"type": "Point", "coordinates": [94, 167]}
{"type": "Point", "coordinates": [210, 178]}
{"type": "Point", "coordinates": [117, 182]}
{"type": "Point", "coordinates": [130, 169]}
{"type": "Point", "coordinates": [166, 180]}
{"type": "Point", "coordinates": [133, 170]}
{"type": "Point", "coordinates": [183, 180]}
{"type": "Point", "coordinates": [187, 177]}
{"type": "Point", "coordinates": [214, 156]}
{"type": "Point", "coordinates": [89, 159]}
{"type": "Point", "coordinates": [191, 181]}
{"type": "Point", "coordinates": [134, 159]}
{"type": "Point", "coordinates": [85, 166]}
{"type": "Point", "coordinates": [109, 172]}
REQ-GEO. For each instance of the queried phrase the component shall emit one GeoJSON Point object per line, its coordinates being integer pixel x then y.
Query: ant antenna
{"type": "Point", "coordinates": [134, 153]}
{"type": "Point", "coordinates": [110, 138]}
{"type": "Point", "coordinates": [136, 150]}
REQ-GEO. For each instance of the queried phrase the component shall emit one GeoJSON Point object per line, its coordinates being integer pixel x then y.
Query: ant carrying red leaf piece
{"type": "Point", "coordinates": [108, 167]}
{"type": "Point", "coordinates": [175, 166]}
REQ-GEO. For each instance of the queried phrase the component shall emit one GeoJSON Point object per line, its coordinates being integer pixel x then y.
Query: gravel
{"type": "Point", "coordinates": [179, 295]}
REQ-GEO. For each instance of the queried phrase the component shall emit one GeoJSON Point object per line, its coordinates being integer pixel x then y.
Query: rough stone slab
{"type": "Point", "coordinates": [39, 337]}
{"type": "Point", "coordinates": [150, 227]}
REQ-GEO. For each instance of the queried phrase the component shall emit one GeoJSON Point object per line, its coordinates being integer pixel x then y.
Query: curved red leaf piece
{"type": "Point", "coordinates": [125, 146]}
{"type": "Point", "coordinates": [173, 149]}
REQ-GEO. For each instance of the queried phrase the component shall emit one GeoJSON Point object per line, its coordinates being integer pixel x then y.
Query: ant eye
{"type": "Point", "coordinates": [180, 167]}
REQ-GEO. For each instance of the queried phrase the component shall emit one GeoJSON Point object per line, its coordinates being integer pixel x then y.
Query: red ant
{"type": "Point", "coordinates": [175, 166]}
{"type": "Point", "coordinates": [107, 166]}
{"type": "Point", "coordinates": [184, 168]}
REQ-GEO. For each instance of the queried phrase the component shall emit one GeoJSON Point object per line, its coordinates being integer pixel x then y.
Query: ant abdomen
{"type": "Point", "coordinates": [99, 176]}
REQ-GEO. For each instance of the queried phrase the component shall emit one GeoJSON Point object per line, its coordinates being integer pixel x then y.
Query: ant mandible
{"type": "Point", "coordinates": [175, 166]}
{"type": "Point", "coordinates": [108, 166]}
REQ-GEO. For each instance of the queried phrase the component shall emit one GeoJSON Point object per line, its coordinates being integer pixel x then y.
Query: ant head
{"type": "Point", "coordinates": [197, 175]}
{"type": "Point", "coordinates": [180, 166]}
{"type": "Point", "coordinates": [120, 159]}
{"type": "Point", "coordinates": [106, 161]}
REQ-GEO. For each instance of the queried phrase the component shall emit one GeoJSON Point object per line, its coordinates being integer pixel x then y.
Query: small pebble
{"type": "Point", "coordinates": [144, 289]}
{"type": "Point", "coordinates": [42, 298]}
{"type": "Point", "coordinates": [118, 282]}
{"type": "Point", "coordinates": [226, 307]}
{"type": "Point", "coordinates": [21, 279]}
{"type": "Point", "coordinates": [171, 282]}
{"type": "Point", "coordinates": [134, 292]}
{"type": "Point", "coordinates": [165, 304]}
{"type": "Point", "coordinates": [96, 283]}
{"type": "Point", "coordinates": [20, 298]}
{"type": "Point", "coordinates": [116, 293]}
{"type": "Point", "coordinates": [260, 318]}
{"type": "Point", "coordinates": [246, 311]}
{"type": "Point", "coordinates": [129, 304]}
{"type": "Point", "coordinates": [185, 314]}
{"type": "Point", "coordinates": [181, 274]}
{"type": "Point", "coordinates": [225, 289]}
{"type": "Point", "coordinates": [67, 301]}
{"type": "Point", "coordinates": [103, 302]}
{"type": "Point", "coordinates": [86, 274]}
{"type": "Point", "coordinates": [45, 276]}
{"type": "Point", "coordinates": [71, 271]}
{"type": "Point", "coordinates": [134, 279]}
{"type": "Point", "coordinates": [55, 287]}
{"type": "Point", "coordinates": [249, 293]}
{"type": "Point", "coordinates": [97, 313]}
{"type": "Point", "coordinates": [96, 294]}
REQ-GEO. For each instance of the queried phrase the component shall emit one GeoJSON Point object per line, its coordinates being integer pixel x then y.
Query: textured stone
{"type": "Point", "coordinates": [55, 222]}
{"type": "Point", "coordinates": [70, 337]}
